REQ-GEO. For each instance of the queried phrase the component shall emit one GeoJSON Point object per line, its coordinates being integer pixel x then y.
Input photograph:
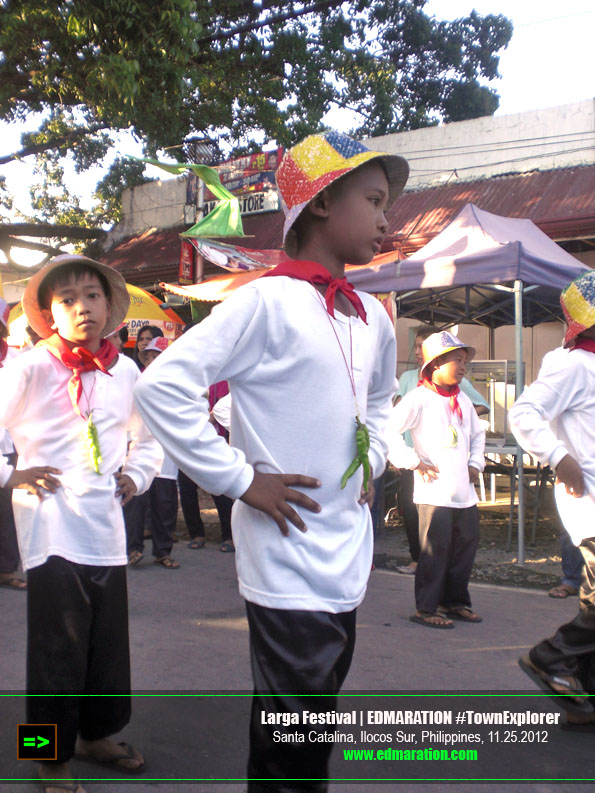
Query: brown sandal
{"type": "Point", "coordinates": [167, 562]}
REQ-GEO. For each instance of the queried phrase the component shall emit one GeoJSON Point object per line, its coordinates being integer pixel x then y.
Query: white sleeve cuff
{"type": "Point", "coordinates": [242, 483]}
{"type": "Point", "coordinates": [557, 456]}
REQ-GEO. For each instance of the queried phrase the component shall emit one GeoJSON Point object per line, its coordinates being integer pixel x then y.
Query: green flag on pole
{"type": "Point", "coordinates": [225, 219]}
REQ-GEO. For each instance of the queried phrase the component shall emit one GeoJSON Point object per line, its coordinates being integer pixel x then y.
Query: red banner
{"type": "Point", "coordinates": [186, 271]}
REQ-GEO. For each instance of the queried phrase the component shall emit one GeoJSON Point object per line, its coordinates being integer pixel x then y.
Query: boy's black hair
{"type": "Point", "coordinates": [425, 331]}
{"type": "Point", "coordinates": [63, 275]}
{"type": "Point", "coordinates": [123, 334]}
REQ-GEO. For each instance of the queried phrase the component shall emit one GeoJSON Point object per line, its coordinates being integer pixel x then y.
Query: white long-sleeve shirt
{"type": "Point", "coordinates": [555, 416]}
{"type": "Point", "coordinates": [292, 412]}
{"type": "Point", "coordinates": [82, 521]}
{"type": "Point", "coordinates": [429, 418]}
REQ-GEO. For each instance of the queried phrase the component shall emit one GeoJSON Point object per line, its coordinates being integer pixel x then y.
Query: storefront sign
{"type": "Point", "coordinates": [252, 203]}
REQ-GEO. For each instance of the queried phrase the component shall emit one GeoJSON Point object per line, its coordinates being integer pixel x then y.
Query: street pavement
{"type": "Point", "coordinates": [189, 634]}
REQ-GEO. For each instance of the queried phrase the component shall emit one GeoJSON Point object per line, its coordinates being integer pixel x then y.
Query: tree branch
{"type": "Point", "coordinates": [283, 17]}
{"type": "Point", "coordinates": [50, 230]}
{"type": "Point", "coordinates": [53, 143]}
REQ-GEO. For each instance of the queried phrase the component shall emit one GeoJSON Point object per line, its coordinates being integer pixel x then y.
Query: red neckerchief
{"type": "Point", "coordinates": [80, 360]}
{"type": "Point", "coordinates": [452, 395]}
{"type": "Point", "coordinates": [584, 344]}
{"type": "Point", "coordinates": [315, 273]}
{"type": "Point", "coordinates": [3, 350]}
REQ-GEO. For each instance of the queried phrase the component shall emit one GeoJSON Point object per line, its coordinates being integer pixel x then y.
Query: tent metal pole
{"type": "Point", "coordinates": [519, 385]}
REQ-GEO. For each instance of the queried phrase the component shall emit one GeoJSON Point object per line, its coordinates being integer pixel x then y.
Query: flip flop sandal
{"type": "Point", "coordinates": [196, 544]}
{"type": "Point", "coordinates": [575, 701]}
{"type": "Point", "coordinates": [134, 558]}
{"type": "Point", "coordinates": [67, 787]}
{"type": "Point", "coordinates": [116, 762]}
{"type": "Point", "coordinates": [462, 615]}
{"type": "Point", "coordinates": [14, 583]}
{"type": "Point", "coordinates": [167, 562]}
{"type": "Point", "coordinates": [227, 547]}
{"type": "Point", "coordinates": [562, 592]}
{"type": "Point", "coordinates": [423, 620]}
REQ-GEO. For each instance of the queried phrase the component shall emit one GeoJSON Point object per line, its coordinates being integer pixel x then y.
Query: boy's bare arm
{"type": "Point", "coordinates": [38, 481]}
{"type": "Point", "coordinates": [271, 494]}
{"type": "Point", "coordinates": [569, 472]}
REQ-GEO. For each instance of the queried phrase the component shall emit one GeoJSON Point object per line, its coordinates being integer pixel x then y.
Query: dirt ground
{"type": "Point", "coordinates": [494, 564]}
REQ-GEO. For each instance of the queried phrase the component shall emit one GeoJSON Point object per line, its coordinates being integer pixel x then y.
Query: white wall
{"type": "Point", "coordinates": [154, 205]}
{"type": "Point", "coordinates": [556, 137]}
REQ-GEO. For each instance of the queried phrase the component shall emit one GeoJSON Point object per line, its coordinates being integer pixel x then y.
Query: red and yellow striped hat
{"type": "Point", "coordinates": [319, 160]}
{"type": "Point", "coordinates": [578, 304]}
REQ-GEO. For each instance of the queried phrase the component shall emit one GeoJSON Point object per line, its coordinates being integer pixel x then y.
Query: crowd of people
{"type": "Point", "coordinates": [103, 441]}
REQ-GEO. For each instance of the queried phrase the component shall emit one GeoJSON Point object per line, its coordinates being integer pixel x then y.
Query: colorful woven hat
{"type": "Point", "coordinates": [317, 161]}
{"type": "Point", "coordinates": [439, 344]}
{"type": "Point", "coordinates": [119, 298]}
{"type": "Point", "coordinates": [578, 304]}
{"type": "Point", "coordinates": [4, 312]}
{"type": "Point", "coordinates": [158, 343]}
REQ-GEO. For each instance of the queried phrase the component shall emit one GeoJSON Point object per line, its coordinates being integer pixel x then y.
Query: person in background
{"type": "Point", "coordinates": [407, 509]}
{"type": "Point", "coordinates": [572, 568]}
{"type": "Point", "coordinates": [161, 500]}
{"type": "Point", "coordinates": [554, 420]}
{"type": "Point", "coordinates": [143, 338]}
{"type": "Point", "coordinates": [9, 549]}
{"type": "Point", "coordinates": [447, 458]}
{"type": "Point", "coordinates": [119, 338]}
{"type": "Point", "coordinates": [218, 393]}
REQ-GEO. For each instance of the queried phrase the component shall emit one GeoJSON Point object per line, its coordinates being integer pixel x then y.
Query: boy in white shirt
{"type": "Point", "coordinates": [447, 455]}
{"type": "Point", "coordinates": [554, 420]}
{"type": "Point", "coordinates": [408, 382]}
{"type": "Point", "coordinates": [69, 401]}
{"type": "Point", "coordinates": [304, 354]}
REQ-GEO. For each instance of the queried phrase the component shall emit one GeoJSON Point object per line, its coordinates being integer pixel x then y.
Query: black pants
{"type": "Point", "coordinates": [449, 538]}
{"type": "Point", "coordinates": [293, 653]}
{"type": "Point", "coordinates": [77, 642]}
{"type": "Point", "coordinates": [161, 499]}
{"type": "Point", "coordinates": [191, 509]}
{"type": "Point", "coordinates": [9, 549]}
{"type": "Point", "coordinates": [571, 651]}
{"type": "Point", "coordinates": [409, 512]}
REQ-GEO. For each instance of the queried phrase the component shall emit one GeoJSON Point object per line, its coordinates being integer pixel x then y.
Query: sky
{"type": "Point", "coordinates": [548, 62]}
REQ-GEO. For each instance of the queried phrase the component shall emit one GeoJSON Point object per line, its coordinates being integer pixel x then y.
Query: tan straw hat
{"type": "Point", "coordinates": [119, 298]}
{"type": "Point", "coordinates": [439, 344]}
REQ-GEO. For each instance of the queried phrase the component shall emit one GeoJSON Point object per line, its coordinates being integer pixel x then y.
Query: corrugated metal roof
{"type": "Point", "coordinates": [561, 202]}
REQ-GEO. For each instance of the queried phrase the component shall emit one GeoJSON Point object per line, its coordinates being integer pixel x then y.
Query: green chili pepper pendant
{"type": "Point", "coordinates": [362, 445]}
{"type": "Point", "coordinates": [452, 437]}
{"type": "Point", "coordinates": [93, 444]}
